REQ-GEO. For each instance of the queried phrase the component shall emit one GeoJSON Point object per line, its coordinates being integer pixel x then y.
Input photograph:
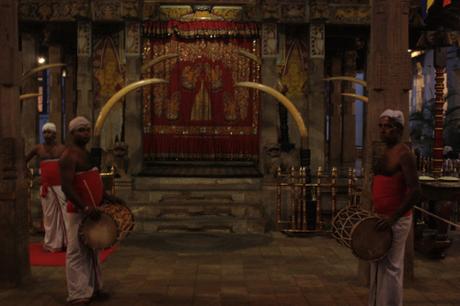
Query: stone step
{"type": "Point", "coordinates": [181, 209]}
{"type": "Point", "coordinates": [202, 224]}
{"type": "Point", "coordinates": [192, 199]}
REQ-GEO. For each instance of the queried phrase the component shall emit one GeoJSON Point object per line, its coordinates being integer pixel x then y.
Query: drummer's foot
{"type": "Point", "coordinates": [100, 296]}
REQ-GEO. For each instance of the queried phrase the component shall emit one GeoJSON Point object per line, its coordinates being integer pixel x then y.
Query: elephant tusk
{"type": "Point", "coordinates": [359, 97]}
{"type": "Point", "coordinates": [39, 68]}
{"type": "Point", "coordinates": [250, 56]}
{"type": "Point", "coordinates": [157, 60]}
{"type": "Point", "coordinates": [346, 78]}
{"type": "Point", "coordinates": [29, 95]}
{"type": "Point", "coordinates": [117, 97]}
{"type": "Point", "coordinates": [292, 109]}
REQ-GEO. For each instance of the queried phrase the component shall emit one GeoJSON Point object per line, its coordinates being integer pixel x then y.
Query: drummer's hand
{"type": "Point", "coordinates": [383, 224]}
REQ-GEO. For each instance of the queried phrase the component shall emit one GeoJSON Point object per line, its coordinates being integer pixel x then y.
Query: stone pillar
{"type": "Point", "coordinates": [14, 255]}
{"type": "Point", "coordinates": [29, 113]}
{"type": "Point", "coordinates": [133, 111]}
{"type": "Point", "coordinates": [389, 80]}
{"type": "Point", "coordinates": [315, 112]}
{"type": "Point", "coordinates": [84, 71]}
{"type": "Point", "coordinates": [55, 96]}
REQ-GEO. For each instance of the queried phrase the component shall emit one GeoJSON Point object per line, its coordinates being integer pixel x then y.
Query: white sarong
{"type": "Point", "coordinates": [83, 269]}
{"type": "Point", "coordinates": [386, 275]}
{"type": "Point", "coordinates": [54, 211]}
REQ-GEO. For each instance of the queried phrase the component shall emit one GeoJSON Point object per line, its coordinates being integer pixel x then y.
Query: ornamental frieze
{"type": "Point", "coordinates": [62, 10]}
{"type": "Point", "coordinates": [106, 9]}
{"type": "Point", "coordinates": [350, 14]}
{"type": "Point", "coordinates": [188, 12]}
{"type": "Point", "coordinates": [289, 11]}
{"type": "Point", "coordinates": [286, 11]}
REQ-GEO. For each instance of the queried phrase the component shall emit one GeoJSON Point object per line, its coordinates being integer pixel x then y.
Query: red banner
{"type": "Point", "coordinates": [200, 114]}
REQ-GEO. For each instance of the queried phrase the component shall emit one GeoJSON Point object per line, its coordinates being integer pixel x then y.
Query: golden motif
{"type": "Point", "coordinates": [215, 73]}
{"type": "Point", "coordinates": [242, 96]}
{"type": "Point", "coordinates": [186, 13]}
{"type": "Point", "coordinates": [109, 75]}
{"type": "Point", "coordinates": [295, 76]}
{"type": "Point", "coordinates": [168, 12]}
{"type": "Point", "coordinates": [172, 108]}
{"type": "Point", "coordinates": [158, 98]}
{"type": "Point", "coordinates": [230, 112]}
{"type": "Point", "coordinates": [188, 77]}
{"type": "Point", "coordinates": [228, 12]}
{"type": "Point", "coordinates": [201, 109]}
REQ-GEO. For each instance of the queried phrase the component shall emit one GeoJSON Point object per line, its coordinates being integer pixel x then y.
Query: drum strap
{"type": "Point", "coordinates": [89, 192]}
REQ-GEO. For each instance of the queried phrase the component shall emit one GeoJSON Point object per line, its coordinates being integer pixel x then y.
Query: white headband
{"type": "Point", "coordinates": [49, 127]}
{"type": "Point", "coordinates": [396, 115]}
{"type": "Point", "coordinates": [78, 122]}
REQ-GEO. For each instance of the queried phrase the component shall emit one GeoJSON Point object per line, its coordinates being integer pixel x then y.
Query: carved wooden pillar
{"type": "Point", "coordinates": [389, 80]}
{"type": "Point", "coordinates": [29, 113]}
{"type": "Point", "coordinates": [316, 103]}
{"type": "Point", "coordinates": [133, 111]}
{"type": "Point", "coordinates": [336, 124]}
{"type": "Point", "coordinates": [84, 71]}
{"type": "Point", "coordinates": [438, 146]}
{"type": "Point", "coordinates": [14, 257]}
{"type": "Point", "coordinates": [55, 97]}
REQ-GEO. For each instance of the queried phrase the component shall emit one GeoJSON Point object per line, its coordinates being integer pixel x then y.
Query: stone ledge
{"type": "Point", "coordinates": [196, 183]}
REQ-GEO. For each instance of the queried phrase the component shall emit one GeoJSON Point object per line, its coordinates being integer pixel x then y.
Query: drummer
{"type": "Point", "coordinates": [51, 195]}
{"type": "Point", "coordinates": [395, 189]}
{"type": "Point", "coordinates": [83, 187]}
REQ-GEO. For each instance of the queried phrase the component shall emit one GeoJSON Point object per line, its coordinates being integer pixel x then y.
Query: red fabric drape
{"type": "Point", "coordinates": [200, 114]}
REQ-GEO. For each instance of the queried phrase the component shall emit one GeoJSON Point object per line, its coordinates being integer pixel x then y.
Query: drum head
{"type": "Point", "coordinates": [367, 242]}
{"type": "Point", "coordinates": [99, 234]}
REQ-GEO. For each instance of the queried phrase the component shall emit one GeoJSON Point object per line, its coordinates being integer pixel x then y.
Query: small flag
{"type": "Point", "coordinates": [429, 3]}
{"type": "Point", "coordinates": [426, 4]}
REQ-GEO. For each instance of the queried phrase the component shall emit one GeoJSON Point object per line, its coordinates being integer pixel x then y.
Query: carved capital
{"type": "Point", "coordinates": [133, 38]}
{"type": "Point", "coordinates": [319, 9]}
{"type": "Point", "coordinates": [317, 40]}
{"type": "Point", "coordinates": [106, 9]}
{"type": "Point", "coordinates": [271, 9]}
{"type": "Point", "coordinates": [84, 39]}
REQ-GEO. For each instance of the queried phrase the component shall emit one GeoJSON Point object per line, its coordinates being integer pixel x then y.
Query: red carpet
{"type": "Point", "coordinates": [38, 257]}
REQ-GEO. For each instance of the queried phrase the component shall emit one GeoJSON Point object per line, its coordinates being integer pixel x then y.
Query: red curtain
{"type": "Point", "coordinates": [200, 114]}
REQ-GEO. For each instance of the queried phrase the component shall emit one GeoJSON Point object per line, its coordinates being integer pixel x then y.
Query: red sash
{"type": "Point", "coordinates": [49, 175]}
{"type": "Point", "coordinates": [88, 186]}
{"type": "Point", "coordinates": [388, 193]}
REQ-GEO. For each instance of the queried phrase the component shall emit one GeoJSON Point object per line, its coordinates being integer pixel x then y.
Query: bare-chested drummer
{"type": "Point", "coordinates": [52, 198]}
{"type": "Point", "coordinates": [395, 189]}
{"type": "Point", "coordinates": [82, 184]}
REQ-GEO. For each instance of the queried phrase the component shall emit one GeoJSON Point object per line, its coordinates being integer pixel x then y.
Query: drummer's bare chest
{"type": "Point", "coordinates": [388, 163]}
{"type": "Point", "coordinates": [83, 162]}
{"type": "Point", "coordinates": [49, 152]}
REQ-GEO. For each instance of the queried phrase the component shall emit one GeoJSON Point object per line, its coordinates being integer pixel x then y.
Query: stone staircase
{"type": "Point", "coordinates": [198, 205]}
